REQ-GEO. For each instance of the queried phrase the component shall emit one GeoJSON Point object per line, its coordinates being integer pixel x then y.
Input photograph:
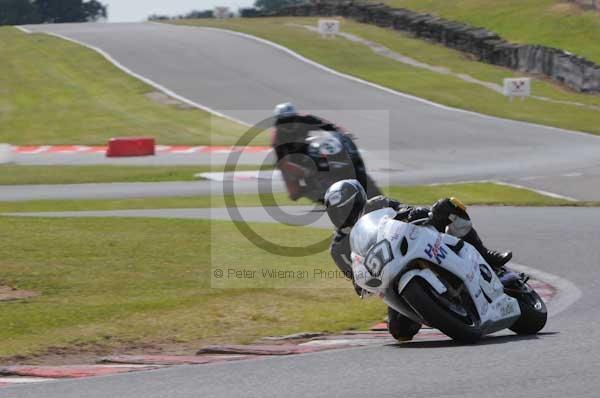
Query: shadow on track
{"type": "Point", "coordinates": [488, 340]}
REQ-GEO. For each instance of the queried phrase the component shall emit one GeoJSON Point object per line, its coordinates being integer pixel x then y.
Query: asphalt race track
{"type": "Point", "coordinates": [125, 190]}
{"type": "Point", "coordinates": [244, 78]}
{"type": "Point", "coordinates": [561, 361]}
{"type": "Point", "coordinates": [427, 142]}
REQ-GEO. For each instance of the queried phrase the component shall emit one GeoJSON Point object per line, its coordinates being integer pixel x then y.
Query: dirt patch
{"type": "Point", "coordinates": [576, 7]}
{"type": "Point", "coordinates": [10, 294]}
{"type": "Point", "coordinates": [90, 353]}
{"type": "Point", "coordinates": [164, 99]}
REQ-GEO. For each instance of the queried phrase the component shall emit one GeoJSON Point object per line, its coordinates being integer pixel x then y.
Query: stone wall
{"type": "Point", "coordinates": [576, 72]}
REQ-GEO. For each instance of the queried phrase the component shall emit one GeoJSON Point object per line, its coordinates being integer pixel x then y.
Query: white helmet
{"type": "Point", "coordinates": [284, 110]}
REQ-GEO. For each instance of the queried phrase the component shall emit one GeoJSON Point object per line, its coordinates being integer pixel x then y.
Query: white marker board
{"type": "Point", "coordinates": [329, 27]}
{"type": "Point", "coordinates": [518, 87]}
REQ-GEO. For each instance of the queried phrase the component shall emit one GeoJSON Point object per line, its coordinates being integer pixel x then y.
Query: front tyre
{"type": "Point", "coordinates": [400, 327]}
{"type": "Point", "coordinates": [534, 313]}
{"type": "Point", "coordinates": [439, 313]}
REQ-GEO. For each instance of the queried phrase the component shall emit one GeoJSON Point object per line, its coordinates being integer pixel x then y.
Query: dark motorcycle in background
{"type": "Point", "coordinates": [322, 159]}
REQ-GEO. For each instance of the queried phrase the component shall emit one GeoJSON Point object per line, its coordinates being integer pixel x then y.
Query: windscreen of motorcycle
{"type": "Point", "coordinates": [364, 234]}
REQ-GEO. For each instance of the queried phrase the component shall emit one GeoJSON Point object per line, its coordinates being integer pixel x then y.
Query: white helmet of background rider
{"type": "Point", "coordinates": [284, 110]}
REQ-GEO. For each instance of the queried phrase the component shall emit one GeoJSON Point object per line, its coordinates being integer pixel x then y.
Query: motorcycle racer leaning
{"type": "Point", "coordinates": [346, 202]}
{"type": "Point", "coordinates": [291, 131]}
{"type": "Point", "coordinates": [291, 144]}
{"type": "Point", "coordinates": [293, 128]}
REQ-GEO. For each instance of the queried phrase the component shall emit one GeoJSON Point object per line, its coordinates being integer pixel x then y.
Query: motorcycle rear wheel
{"type": "Point", "coordinates": [421, 298]}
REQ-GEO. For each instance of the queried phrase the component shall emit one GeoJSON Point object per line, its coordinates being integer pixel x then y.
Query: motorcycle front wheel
{"type": "Point", "coordinates": [451, 318]}
{"type": "Point", "coordinates": [534, 313]}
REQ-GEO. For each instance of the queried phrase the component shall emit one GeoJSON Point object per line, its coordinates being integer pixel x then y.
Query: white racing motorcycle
{"type": "Point", "coordinates": [439, 280]}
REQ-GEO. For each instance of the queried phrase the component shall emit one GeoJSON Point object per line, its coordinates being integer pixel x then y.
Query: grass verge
{"type": "Point", "coordinates": [550, 22]}
{"type": "Point", "coordinates": [26, 175]}
{"type": "Point", "coordinates": [443, 89]}
{"type": "Point", "coordinates": [111, 286]}
{"type": "Point", "coordinates": [470, 194]}
{"type": "Point", "coordinates": [56, 92]}
{"type": "Point", "coordinates": [488, 194]}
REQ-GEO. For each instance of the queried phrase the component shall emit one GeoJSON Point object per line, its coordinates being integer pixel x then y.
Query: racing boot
{"type": "Point", "coordinates": [496, 260]}
{"type": "Point", "coordinates": [401, 327]}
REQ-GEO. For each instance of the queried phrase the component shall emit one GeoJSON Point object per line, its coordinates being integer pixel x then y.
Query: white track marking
{"type": "Point", "coordinates": [40, 149]}
{"type": "Point", "coordinates": [539, 191]}
{"type": "Point", "coordinates": [508, 184]}
{"type": "Point", "coordinates": [23, 380]}
{"type": "Point", "coordinates": [23, 29]}
{"type": "Point", "coordinates": [567, 292]}
{"type": "Point", "coordinates": [255, 175]}
{"type": "Point", "coordinates": [146, 80]}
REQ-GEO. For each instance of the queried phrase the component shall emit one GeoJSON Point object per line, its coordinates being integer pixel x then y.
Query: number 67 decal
{"type": "Point", "coordinates": [378, 257]}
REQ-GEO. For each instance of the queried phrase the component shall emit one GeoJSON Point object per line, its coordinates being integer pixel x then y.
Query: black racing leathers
{"type": "Point", "coordinates": [290, 139]}
{"type": "Point", "coordinates": [291, 133]}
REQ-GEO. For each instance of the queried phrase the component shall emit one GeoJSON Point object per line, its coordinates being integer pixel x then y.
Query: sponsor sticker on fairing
{"type": "Point", "coordinates": [484, 308]}
{"type": "Point", "coordinates": [397, 232]}
{"type": "Point", "coordinates": [413, 232]}
{"type": "Point", "coordinates": [471, 276]}
{"type": "Point", "coordinates": [436, 251]}
{"type": "Point", "coordinates": [506, 308]}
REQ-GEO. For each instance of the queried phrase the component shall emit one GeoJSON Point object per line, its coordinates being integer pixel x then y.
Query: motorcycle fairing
{"type": "Point", "coordinates": [376, 240]}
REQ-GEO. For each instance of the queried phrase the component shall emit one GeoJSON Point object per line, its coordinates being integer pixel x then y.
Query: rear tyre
{"type": "Point", "coordinates": [401, 327]}
{"type": "Point", "coordinates": [425, 302]}
{"type": "Point", "coordinates": [534, 313]}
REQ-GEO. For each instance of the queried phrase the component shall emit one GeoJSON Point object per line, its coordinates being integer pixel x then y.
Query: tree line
{"type": "Point", "coordinates": [21, 12]}
{"type": "Point", "coordinates": [274, 5]}
{"type": "Point", "coordinates": [261, 7]}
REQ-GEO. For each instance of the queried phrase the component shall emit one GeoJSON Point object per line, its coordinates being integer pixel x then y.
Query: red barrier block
{"type": "Point", "coordinates": [131, 146]}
